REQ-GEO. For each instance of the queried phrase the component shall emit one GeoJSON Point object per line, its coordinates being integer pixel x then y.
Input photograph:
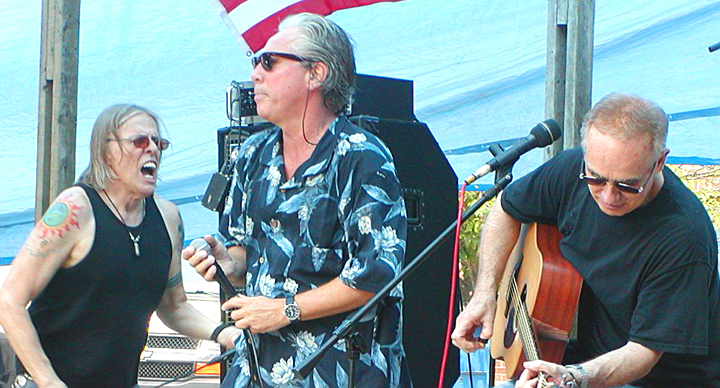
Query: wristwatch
{"type": "Point", "coordinates": [581, 377]}
{"type": "Point", "coordinates": [291, 310]}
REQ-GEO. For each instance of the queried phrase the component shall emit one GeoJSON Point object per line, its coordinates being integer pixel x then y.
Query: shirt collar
{"type": "Point", "coordinates": [319, 160]}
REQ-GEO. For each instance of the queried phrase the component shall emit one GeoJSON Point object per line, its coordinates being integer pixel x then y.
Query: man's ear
{"type": "Point", "coordinates": [662, 161]}
{"type": "Point", "coordinates": [317, 75]}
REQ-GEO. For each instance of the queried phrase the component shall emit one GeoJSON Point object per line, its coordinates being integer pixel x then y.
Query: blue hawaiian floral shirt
{"type": "Point", "coordinates": [341, 215]}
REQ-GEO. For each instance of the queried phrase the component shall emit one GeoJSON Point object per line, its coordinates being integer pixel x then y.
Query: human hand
{"type": "Point", "coordinates": [202, 256]}
{"type": "Point", "coordinates": [479, 313]}
{"type": "Point", "coordinates": [555, 374]}
{"type": "Point", "coordinates": [257, 313]}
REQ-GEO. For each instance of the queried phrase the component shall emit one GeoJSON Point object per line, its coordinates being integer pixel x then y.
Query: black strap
{"type": "Point", "coordinates": [216, 332]}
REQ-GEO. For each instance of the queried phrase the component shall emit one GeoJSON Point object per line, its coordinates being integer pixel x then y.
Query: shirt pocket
{"type": "Point", "coordinates": [324, 228]}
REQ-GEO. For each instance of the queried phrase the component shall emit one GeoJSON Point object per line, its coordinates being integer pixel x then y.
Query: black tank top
{"type": "Point", "coordinates": [93, 318]}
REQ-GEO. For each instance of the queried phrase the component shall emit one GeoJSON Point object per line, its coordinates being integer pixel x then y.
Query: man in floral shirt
{"type": "Point", "coordinates": [315, 221]}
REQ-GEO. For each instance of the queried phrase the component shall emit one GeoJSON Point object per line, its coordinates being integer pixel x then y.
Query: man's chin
{"type": "Point", "coordinates": [148, 187]}
{"type": "Point", "coordinates": [614, 211]}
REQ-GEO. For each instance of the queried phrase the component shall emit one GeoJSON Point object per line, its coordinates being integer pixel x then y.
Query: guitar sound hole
{"type": "Point", "coordinates": [510, 329]}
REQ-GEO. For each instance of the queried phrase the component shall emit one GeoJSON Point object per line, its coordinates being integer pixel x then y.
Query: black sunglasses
{"type": "Point", "coordinates": [267, 61]}
{"type": "Point", "coordinates": [622, 186]}
{"type": "Point", "coordinates": [143, 141]}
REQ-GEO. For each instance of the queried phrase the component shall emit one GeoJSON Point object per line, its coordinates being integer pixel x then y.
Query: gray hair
{"type": "Point", "coordinates": [323, 41]}
{"type": "Point", "coordinates": [98, 174]}
{"type": "Point", "coordinates": [625, 116]}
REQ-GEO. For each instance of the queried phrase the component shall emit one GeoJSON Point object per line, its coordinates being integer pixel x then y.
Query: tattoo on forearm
{"type": "Point", "coordinates": [175, 280]}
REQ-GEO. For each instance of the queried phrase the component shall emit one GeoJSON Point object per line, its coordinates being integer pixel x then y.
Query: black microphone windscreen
{"type": "Point", "coordinates": [546, 132]}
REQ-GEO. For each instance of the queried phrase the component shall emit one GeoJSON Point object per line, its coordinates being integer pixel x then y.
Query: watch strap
{"type": "Point", "coordinates": [580, 375]}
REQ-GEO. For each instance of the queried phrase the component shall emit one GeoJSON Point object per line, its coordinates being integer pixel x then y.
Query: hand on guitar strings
{"type": "Point", "coordinates": [555, 376]}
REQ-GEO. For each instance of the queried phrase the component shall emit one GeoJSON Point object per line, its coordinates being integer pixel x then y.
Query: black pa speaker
{"type": "Point", "coordinates": [430, 192]}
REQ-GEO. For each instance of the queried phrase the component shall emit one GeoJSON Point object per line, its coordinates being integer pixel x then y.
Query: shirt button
{"type": "Point", "coordinates": [261, 260]}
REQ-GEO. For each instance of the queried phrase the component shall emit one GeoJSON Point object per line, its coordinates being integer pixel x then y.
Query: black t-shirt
{"type": "Point", "coordinates": [650, 276]}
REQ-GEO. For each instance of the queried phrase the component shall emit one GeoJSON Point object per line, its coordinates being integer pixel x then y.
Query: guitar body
{"type": "Point", "coordinates": [550, 288]}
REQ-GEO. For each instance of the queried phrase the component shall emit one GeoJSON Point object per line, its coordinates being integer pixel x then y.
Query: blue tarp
{"type": "Point", "coordinates": [478, 70]}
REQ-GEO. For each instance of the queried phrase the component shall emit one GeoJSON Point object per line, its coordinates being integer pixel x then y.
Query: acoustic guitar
{"type": "Point", "coordinates": [537, 301]}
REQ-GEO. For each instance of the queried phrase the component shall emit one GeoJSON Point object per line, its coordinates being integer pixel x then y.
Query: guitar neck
{"type": "Point", "coordinates": [529, 342]}
{"type": "Point", "coordinates": [524, 322]}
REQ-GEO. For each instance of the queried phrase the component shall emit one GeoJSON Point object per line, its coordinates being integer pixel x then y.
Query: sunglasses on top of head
{"type": "Point", "coordinates": [267, 59]}
{"type": "Point", "coordinates": [143, 141]}
{"type": "Point", "coordinates": [622, 186]}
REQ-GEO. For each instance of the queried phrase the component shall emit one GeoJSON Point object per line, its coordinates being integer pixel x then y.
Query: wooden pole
{"type": "Point", "coordinates": [555, 68]}
{"type": "Point", "coordinates": [578, 91]}
{"type": "Point", "coordinates": [568, 77]}
{"type": "Point", "coordinates": [57, 108]}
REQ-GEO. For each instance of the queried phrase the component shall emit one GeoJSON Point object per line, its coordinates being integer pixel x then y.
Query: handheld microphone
{"type": "Point", "coordinates": [220, 277]}
{"type": "Point", "coordinates": [227, 287]}
{"type": "Point", "coordinates": [543, 134]}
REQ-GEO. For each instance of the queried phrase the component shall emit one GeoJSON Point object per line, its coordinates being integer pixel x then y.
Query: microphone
{"type": "Point", "coordinates": [200, 244]}
{"type": "Point", "coordinates": [541, 135]}
{"type": "Point", "coordinates": [714, 47]}
{"type": "Point", "coordinates": [227, 287]}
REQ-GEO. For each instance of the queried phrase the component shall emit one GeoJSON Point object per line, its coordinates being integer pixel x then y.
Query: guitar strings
{"type": "Point", "coordinates": [528, 342]}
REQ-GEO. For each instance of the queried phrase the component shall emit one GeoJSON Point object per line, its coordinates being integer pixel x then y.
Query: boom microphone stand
{"type": "Point", "coordinates": [345, 331]}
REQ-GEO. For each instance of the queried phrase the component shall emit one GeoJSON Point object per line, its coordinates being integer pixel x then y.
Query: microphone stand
{"type": "Point", "coordinates": [503, 176]}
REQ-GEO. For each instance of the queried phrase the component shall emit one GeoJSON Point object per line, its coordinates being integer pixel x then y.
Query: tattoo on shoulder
{"type": "Point", "coordinates": [59, 217]}
{"type": "Point", "coordinates": [175, 280]}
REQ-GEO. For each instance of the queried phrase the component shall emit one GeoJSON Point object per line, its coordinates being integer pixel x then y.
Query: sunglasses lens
{"type": "Point", "coordinates": [264, 59]}
{"type": "Point", "coordinates": [141, 142]}
{"type": "Point", "coordinates": [267, 61]}
{"type": "Point", "coordinates": [627, 189]}
{"type": "Point", "coordinates": [594, 181]}
{"type": "Point", "coordinates": [144, 141]}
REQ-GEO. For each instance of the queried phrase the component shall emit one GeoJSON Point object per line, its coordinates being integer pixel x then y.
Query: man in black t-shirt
{"type": "Point", "coordinates": [643, 243]}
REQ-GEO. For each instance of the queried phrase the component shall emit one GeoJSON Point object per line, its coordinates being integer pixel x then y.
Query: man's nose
{"type": "Point", "coordinates": [609, 193]}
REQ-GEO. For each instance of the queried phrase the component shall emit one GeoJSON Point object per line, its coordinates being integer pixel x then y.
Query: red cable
{"type": "Point", "coordinates": [453, 283]}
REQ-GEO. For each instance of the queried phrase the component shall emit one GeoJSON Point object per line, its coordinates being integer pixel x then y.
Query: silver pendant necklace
{"type": "Point", "coordinates": [135, 239]}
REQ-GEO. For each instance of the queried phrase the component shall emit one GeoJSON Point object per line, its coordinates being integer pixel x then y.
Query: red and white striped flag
{"type": "Point", "coordinates": [253, 22]}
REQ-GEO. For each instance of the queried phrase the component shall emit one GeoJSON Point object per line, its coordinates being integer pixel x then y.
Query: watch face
{"type": "Point", "coordinates": [292, 311]}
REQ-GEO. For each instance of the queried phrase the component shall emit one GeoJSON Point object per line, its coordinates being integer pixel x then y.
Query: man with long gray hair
{"type": "Point", "coordinates": [315, 222]}
{"type": "Point", "coordinates": [102, 259]}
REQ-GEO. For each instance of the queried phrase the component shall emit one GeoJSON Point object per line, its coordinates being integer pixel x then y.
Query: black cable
{"type": "Point", "coordinates": [470, 370]}
{"type": "Point", "coordinates": [302, 124]}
